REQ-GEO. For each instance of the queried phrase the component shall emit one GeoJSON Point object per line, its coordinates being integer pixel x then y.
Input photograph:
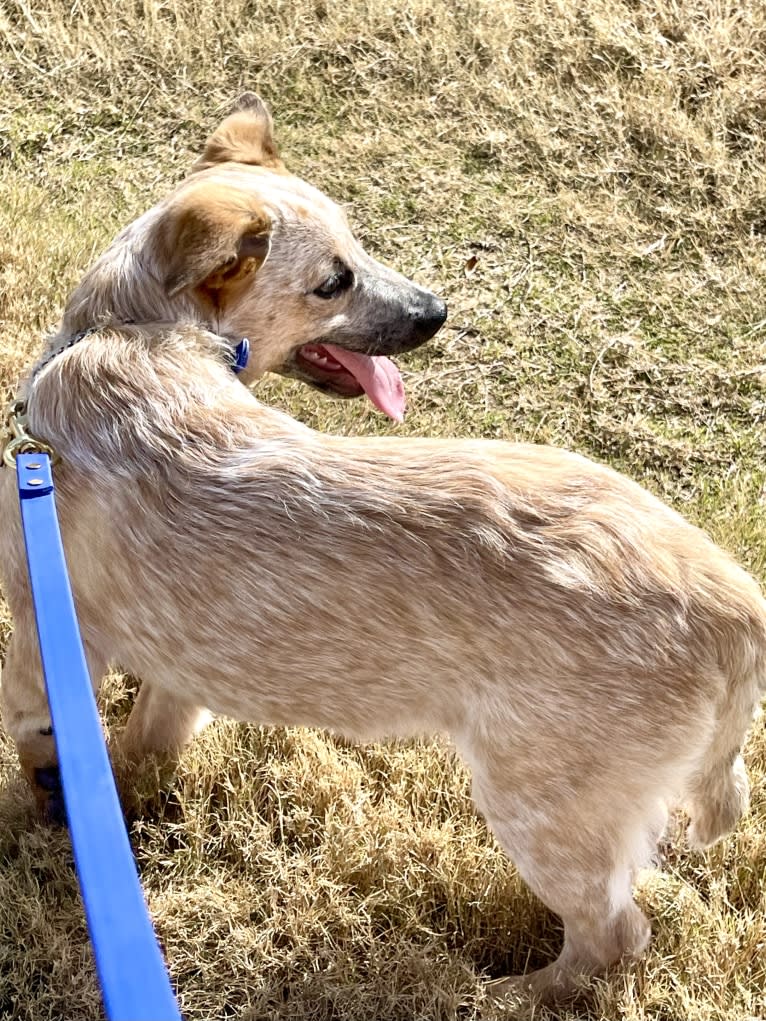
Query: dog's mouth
{"type": "Point", "coordinates": [351, 374]}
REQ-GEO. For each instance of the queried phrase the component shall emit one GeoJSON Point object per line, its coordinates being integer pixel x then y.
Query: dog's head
{"type": "Point", "coordinates": [249, 250]}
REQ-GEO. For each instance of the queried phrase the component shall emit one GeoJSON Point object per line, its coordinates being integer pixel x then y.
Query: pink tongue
{"type": "Point", "coordinates": [378, 377]}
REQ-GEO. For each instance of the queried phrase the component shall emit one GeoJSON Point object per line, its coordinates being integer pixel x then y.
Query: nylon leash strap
{"type": "Point", "coordinates": [134, 981]}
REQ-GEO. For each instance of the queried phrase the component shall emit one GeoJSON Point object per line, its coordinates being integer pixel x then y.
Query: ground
{"type": "Point", "coordinates": [584, 183]}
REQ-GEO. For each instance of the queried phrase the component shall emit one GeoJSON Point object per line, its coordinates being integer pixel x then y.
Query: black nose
{"type": "Point", "coordinates": [429, 316]}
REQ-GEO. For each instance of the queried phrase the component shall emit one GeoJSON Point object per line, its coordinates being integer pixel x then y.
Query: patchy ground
{"type": "Point", "coordinates": [585, 184]}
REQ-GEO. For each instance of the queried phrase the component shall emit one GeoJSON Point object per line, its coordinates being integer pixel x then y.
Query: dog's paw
{"type": "Point", "coordinates": [49, 795]}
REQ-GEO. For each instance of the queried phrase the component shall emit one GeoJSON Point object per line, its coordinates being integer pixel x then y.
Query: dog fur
{"type": "Point", "coordinates": [595, 658]}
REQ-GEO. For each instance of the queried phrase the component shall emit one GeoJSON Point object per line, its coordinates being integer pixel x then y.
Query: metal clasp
{"type": "Point", "coordinates": [19, 441]}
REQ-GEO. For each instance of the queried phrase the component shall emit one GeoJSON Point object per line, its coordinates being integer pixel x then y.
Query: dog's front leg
{"type": "Point", "coordinates": [25, 711]}
{"type": "Point", "coordinates": [159, 727]}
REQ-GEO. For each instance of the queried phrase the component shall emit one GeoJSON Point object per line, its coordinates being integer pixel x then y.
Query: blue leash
{"type": "Point", "coordinates": [134, 982]}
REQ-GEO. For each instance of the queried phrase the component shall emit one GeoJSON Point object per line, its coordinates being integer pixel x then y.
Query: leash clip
{"type": "Point", "coordinates": [20, 441]}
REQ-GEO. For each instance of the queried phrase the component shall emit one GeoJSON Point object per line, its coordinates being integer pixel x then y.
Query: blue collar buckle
{"type": "Point", "coordinates": [241, 356]}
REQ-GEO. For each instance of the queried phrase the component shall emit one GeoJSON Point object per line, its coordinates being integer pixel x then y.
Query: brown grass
{"type": "Point", "coordinates": [585, 184]}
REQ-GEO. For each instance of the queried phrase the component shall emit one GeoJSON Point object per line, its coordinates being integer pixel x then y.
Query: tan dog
{"type": "Point", "coordinates": [595, 658]}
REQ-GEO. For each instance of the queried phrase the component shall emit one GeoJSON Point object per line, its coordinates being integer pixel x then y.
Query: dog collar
{"type": "Point", "coordinates": [48, 358]}
{"type": "Point", "coordinates": [240, 357]}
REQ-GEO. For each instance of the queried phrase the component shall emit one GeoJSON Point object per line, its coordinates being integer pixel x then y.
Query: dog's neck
{"type": "Point", "coordinates": [236, 351]}
{"type": "Point", "coordinates": [121, 289]}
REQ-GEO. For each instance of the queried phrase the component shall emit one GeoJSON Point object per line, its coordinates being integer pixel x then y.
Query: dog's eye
{"type": "Point", "coordinates": [336, 284]}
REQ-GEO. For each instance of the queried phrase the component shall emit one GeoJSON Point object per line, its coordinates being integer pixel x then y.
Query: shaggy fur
{"type": "Point", "coordinates": [595, 658]}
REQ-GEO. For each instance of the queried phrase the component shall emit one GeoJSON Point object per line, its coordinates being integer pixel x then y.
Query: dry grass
{"type": "Point", "coordinates": [585, 183]}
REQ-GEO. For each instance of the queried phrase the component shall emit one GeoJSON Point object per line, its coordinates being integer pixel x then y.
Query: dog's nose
{"type": "Point", "coordinates": [428, 316]}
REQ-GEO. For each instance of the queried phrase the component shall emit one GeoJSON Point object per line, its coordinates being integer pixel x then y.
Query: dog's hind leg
{"type": "Point", "coordinates": [719, 798]}
{"type": "Point", "coordinates": [717, 791]}
{"type": "Point", "coordinates": [579, 855]}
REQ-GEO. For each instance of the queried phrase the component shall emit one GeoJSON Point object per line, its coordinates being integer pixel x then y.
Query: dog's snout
{"type": "Point", "coordinates": [428, 316]}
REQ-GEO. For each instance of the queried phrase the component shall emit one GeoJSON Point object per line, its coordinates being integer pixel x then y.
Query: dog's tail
{"type": "Point", "coordinates": [718, 791]}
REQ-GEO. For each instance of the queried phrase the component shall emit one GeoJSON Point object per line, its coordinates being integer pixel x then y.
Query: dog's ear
{"type": "Point", "coordinates": [246, 136]}
{"type": "Point", "coordinates": [211, 246]}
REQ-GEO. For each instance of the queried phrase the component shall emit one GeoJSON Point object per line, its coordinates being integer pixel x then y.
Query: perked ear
{"type": "Point", "coordinates": [212, 245]}
{"type": "Point", "coordinates": [246, 136]}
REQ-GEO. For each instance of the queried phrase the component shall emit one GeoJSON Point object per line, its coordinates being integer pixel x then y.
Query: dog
{"type": "Point", "coordinates": [595, 658]}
